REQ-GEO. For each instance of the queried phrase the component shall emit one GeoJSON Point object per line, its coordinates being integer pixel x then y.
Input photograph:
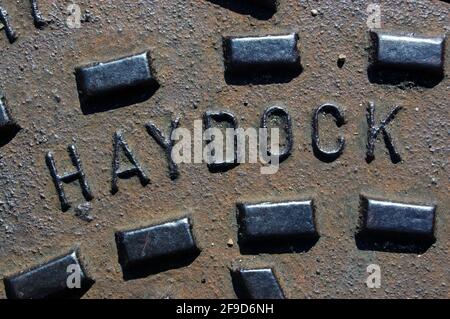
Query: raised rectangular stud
{"type": "Point", "coordinates": [398, 221]}
{"type": "Point", "coordinates": [51, 280]}
{"type": "Point", "coordinates": [152, 244]}
{"type": "Point", "coordinates": [407, 51]}
{"type": "Point", "coordinates": [5, 119]}
{"type": "Point", "coordinates": [271, 52]}
{"type": "Point", "coordinates": [256, 284]}
{"type": "Point", "coordinates": [127, 73]}
{"type": "Point", "coordinates": [287, 220]}
{"type": "Point", "coordinates": [8, 127]}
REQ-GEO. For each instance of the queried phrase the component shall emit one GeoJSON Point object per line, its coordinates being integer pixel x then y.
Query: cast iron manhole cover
{"type": "Point", "coordinates": [97, 98]}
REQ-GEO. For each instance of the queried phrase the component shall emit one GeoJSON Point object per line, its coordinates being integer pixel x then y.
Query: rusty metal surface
{"type": "Point", "coordinates": [185, 42]}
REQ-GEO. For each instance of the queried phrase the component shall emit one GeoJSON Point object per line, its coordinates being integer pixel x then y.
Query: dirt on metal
{"type": "Point", "coordinates": [185, 42]}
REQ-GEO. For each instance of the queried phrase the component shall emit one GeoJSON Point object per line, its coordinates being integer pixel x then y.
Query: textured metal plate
{"type": "Point", "coordinates": [85, 148]}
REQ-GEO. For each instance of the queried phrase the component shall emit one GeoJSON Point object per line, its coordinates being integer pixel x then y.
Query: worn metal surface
{"type": "Point", "coordinates": [48, 280]}
{"type": "Point", "coordinates": [185, 41]}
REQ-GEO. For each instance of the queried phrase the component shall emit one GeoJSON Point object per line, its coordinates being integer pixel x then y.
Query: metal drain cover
{"type": "Point", "coordinates": [95, 96]}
